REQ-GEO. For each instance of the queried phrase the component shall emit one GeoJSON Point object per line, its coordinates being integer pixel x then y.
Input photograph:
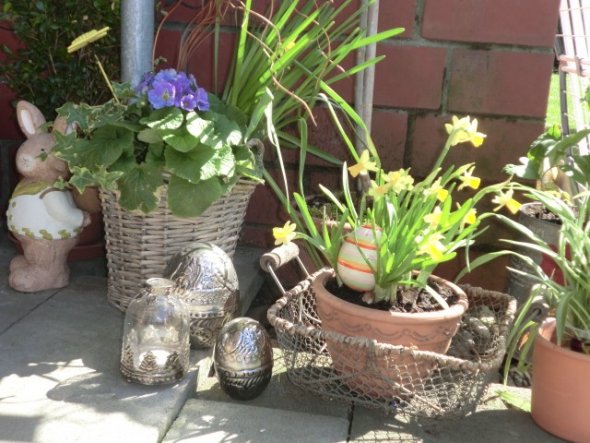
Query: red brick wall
{"type": "Point", "coordinates": [491, 59]}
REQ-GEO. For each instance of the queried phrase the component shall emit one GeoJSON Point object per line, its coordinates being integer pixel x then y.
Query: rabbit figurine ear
{"type": "Point", "coordinates": [61, 125]}
{"type": "Point", "coordinates": [29, 118]}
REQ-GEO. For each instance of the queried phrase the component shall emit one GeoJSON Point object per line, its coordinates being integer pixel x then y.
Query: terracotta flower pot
{"type": "Point", "coordinates": [561, 387]}
{"type": "Point", "coordinates": [380, 376]}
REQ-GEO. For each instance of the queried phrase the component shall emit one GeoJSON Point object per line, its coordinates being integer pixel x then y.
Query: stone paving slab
{"type": "Point", "coordinates": [60, 381]}
{"type": "Point", "coordinates": [280, 393]}
{"type": "Point", "coordinates": [492, 422]}
{"type": "Point", "coordinates": [205, 421]}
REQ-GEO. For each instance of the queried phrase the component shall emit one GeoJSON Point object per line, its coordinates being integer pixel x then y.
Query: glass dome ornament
{"type": "Point", "coordinates": [156, 346]}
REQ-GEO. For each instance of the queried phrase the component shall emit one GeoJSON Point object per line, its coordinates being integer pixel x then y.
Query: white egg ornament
{"type": "Point", "coordinates": [352, 268]}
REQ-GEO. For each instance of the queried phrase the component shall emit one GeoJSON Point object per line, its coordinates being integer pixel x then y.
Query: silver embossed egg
{"type": "Point", "coordinates": [243, 358]}
{"type": "Point", "coordinates": [206, 280]}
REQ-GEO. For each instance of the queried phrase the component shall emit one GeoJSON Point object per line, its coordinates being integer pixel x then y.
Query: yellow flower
{"type": "Point", "coordinates": [378, 190]}
{"type": "Point", "coordinates": [432, 246]}
{"type": "Point", "coordinates": [285, 234]}
{"type": "Point", "coordinates": [400, 180]}
{"type": "Point", "coordinates": [505, 199]}
{"type": "Point", "coordinates": [363, 166]}
{"type": "Point", "coordinates": [468, 179]}
{"type": "Point", "coordinates": [441, 193]}
{"type": "Point", "coordinates": [87, 38]}
{"type": "Point", "coordinates": [464, 130]}
{"type": "Point", "coordinates": [470, 217]}
{"type": "Point", "coordinates": [433, 219]}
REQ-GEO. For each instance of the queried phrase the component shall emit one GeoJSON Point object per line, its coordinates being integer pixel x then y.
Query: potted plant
{"type": "Point", "coordinates": [553, 162]}
{"type": "Point", "coordinates": [153, 152]}
{"type": "Point", "coordinates": [561, 343]}
{"type": "Point", "coordinates": [381, 284]}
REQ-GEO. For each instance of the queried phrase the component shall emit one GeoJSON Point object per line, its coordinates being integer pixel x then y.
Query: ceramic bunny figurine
{"type": "Point", "coordinates": [43, 218]}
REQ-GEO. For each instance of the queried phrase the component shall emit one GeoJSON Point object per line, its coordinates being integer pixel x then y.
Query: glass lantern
{"type": "Point", "coordinates": [156, 346]}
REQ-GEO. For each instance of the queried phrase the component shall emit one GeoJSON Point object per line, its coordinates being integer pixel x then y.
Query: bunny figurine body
{"type": "Point", "coordinates": [43, 218]}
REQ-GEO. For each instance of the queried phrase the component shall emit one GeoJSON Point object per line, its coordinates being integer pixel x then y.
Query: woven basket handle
{"type": "Point", "coordinates": [257, 146]}
{"type": "Point", "coordinates": [273, 260]}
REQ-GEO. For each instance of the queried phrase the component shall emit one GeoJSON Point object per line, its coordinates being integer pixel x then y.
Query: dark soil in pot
{"type": "Point", "coordinates": [424, 301]}
{"type": "Point", "coordinates": [540, 212]}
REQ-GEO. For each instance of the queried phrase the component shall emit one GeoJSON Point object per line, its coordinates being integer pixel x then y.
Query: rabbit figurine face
{"type": "Point", "coordinates": [43, 218]}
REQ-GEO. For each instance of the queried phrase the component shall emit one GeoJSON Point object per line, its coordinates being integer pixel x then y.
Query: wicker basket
{"type": "Point", "coordinates": [139, 245]}
{"type": "Point", "coordinates": [453, 385]}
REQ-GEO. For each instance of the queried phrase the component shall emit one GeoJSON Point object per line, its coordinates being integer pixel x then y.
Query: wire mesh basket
{"type": "Point", "coordinates": [396, 379]}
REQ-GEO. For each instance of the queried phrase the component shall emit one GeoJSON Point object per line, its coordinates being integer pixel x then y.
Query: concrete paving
{"type": "Point", "coordinates": [60, 382]}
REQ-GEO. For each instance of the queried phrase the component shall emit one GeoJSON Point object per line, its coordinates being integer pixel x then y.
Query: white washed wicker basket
{"type": "Point", "coordinates": [139, 245]}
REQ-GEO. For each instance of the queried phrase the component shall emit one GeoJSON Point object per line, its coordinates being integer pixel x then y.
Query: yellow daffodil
{"type": "Point", "coordinates": [285, 234]}
{"type": "Point", "coordinates": [87, 38]}
{"type": "Point", "coordinates": [377, 191]}
{"type": "Point", "coordinates": [470, 218]}
{"type": "Point", "coordinates": [464, 130]}
{"type": "Point", "coordinates": [432, 246]}
{"type": "Point", "coordinates": [436, 189]}
{"type": "Point", "coordinates": [400, 180]}
{"type": "Point", "coordinates": [469, 180]}
{"type": "Point", "coordinates": [505, 199]}
{"type": "Point", "coordinates": [363, 166]}
{"type": "Point", "coordinates": [433, 219]}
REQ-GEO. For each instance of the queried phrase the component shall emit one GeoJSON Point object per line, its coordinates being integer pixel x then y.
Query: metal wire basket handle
{"type": "Point", "coordinates": [280, 256]}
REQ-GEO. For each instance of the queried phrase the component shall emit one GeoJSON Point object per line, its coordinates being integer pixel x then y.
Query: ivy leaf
{"type": "Point", "coordinates": [188, 165]}
{"type": "Point", "coordinates": [139, 188]}
{"type": "Point", "coordinates": [222, 164]}
{"type": "Point", "coordinates": [187, 199]}
{"type": "Point", "coordinates": [181, 140]}
{"type": "Point", "coordinates": [106, 146]}
{"type": "Point", "coordinates": [164, 119]}
{"type": "Point", "coordinates": [83, 177]}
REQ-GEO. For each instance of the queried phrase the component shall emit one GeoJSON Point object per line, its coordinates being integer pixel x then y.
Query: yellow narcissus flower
{"type": "Point", "coordinates": [436, 189]}
{"type": "Point", "coordinates": [432, 246]}
{"type": "Point", "coordinates": [470, 218]}
{"type": "Point", "coordinates": [363, 166]}
{"type": "Point", "coordinates": [469, 180]}
{"type": "Point", "coordinates": [87, 38]}
{"type": "Point", "coordinates": [505, 199]}
{"type": "Point", "coordinates": [464, 130]}
{"type": "Point", "coordinates": [400, 180]}
{"type": "Point", "coordinates": [376, 190]}
{"type": "Point", "coordinates": [433, 219]}
{"type": "Point", "coordinates": [285, 234]}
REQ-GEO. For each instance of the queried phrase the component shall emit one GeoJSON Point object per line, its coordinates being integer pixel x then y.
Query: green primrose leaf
{"type": "Point", "coordinates": [181, 140]}
{"type": "Point", "coordinates": [187, 199]}
{"type": "Point", "coordinates": [187, 165]}
{"type": "Point", "coordinates": [149, 136]}
{"type": "Point", "coordinates": [164, 119]}
{"type": "Point", "coordinates": [139, 188]}
{"type": "Point", "coordinates": [221, 164]}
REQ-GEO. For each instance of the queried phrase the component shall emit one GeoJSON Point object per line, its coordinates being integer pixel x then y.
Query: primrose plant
{"type": "Point", "coordinates": [404, 228]}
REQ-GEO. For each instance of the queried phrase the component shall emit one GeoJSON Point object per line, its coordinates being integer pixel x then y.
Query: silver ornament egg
{"type": "Point", "coordinates": [243, 358]}
{"type": "Point", "coordinates": [207, 282]}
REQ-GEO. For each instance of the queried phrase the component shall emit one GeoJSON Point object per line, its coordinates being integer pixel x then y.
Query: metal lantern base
{"type": "Point", "coordinates": [151, 373]}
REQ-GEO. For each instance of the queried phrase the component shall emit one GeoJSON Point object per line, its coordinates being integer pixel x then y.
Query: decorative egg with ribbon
{"type": "Point", "coordinates": [352, 268]}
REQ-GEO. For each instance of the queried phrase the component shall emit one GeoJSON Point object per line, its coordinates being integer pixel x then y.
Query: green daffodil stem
{"type": "Point", "coordinates": [445, 150]}
{"type": "Point", "coordinates": [106, 78]}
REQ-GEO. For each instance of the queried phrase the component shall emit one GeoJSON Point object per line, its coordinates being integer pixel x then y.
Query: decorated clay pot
{"type": "Point", "coordinates": [385, 376]}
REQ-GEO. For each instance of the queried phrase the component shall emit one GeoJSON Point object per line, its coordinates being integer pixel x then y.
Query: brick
{"type": "Point", "coordinates": [9, 128]}
{"type": "Point", "coordinates": [389, 135]}
{"type": "Point", "coordinates": [265, 207]}
{"type": "Point", "coordinates": [410, 77]}
{"type": "Point", "coordinates": [499, 82]}
{"type": "Point", "coordinates": [491, 276]}
{"type": "Point", "coordinates": [326, 137]}
{"type": "Point", "coordinates": [201, 61]}
{"type": "Point", "coordinates": [522, 22]}
{"type": "Point", "coordinates": [256, 235]}
{"type": "Point", "coordinates": [506, 141]}
{"type": "Point", "coordinates": [400, 13]}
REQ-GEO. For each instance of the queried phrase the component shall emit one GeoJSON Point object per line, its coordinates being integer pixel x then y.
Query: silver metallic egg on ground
{"type": "Point", "coordinates": [206, 280]}
{"type": "Point", "coordinates": [243, 358]}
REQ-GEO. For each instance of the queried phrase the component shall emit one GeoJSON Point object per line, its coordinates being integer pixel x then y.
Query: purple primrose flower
{"type": "Point", "coordinates": [188, 102]}
{"type": "Point", "coordinates": [161, 94]}
{"type": "Point", "coordinates": [202, 100]}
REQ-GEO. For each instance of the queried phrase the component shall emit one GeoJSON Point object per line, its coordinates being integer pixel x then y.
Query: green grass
{"type": "Point", "coordinates": [553, 116]}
